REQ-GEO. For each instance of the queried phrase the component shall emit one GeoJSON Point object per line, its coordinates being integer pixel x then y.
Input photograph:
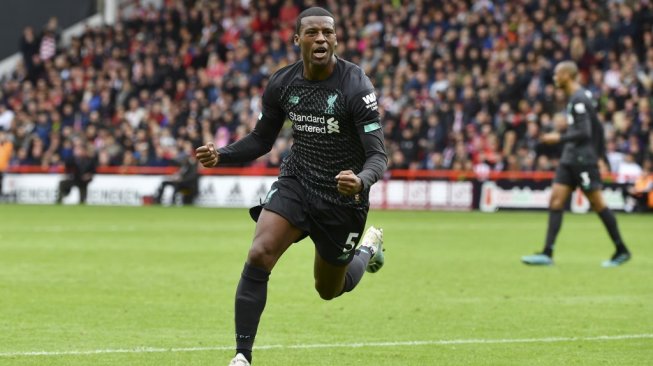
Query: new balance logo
{"type": "Point", "coordinates": [344, 256]}
{"type": "Point", "coordinates": [333, 126]}
{"type": "Point", "coordinates": [293, 99]}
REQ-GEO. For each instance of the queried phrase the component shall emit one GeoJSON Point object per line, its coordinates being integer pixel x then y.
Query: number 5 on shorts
{"type": "Point", "coordinates": [350, 244]}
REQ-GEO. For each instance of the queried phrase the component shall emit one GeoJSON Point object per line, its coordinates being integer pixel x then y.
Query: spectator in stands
{"type": "Point", "coordinates": [79, 171]}
{"type": "Point", "coordinates": [6, 118]}
{"type": "Point", "coordinates": [6, 151]}
{"type": "Point", "coordinates": [641, 190]}
{"type": "Point", "coordinates": [628, 170]}
{"type": "Point", "coordinates": [190, 62]}
{"type": "Point", "coordinates": [184, 182]}
{"type": "Point", "coordinates": [29, 46]}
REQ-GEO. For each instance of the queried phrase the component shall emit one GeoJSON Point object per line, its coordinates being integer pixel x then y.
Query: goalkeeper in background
{"type": "Point", "coordinates": [584, 145]}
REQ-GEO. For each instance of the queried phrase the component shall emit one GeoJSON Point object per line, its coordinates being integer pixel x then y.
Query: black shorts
{"type": "Point", "coordinates": [587, 177]}
{"type": "Point", "coordinates": [335, 230]}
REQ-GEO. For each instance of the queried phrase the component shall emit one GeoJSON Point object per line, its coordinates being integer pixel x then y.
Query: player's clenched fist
{"type": "Point", "coordinates": [349, 183]}
{"type": "Point", "coordinates": [207, 155]}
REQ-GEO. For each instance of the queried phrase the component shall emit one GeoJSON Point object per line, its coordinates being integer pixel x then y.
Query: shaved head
{"type": "Point", "coordinates": [568, 67]}
{"type": "Point", "coordinates": [565, 75]}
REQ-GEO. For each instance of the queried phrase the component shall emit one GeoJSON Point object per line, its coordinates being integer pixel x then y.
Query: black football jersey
{"type": "Point", "coordinates": [330, 120]}
{"type": "Point", "coordinates": [583, 140]}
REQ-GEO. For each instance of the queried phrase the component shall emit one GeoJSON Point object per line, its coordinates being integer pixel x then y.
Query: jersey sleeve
{"type": "Point", "coordinates": [260, 141]}
{"type": "Point", "coordinates": [365, 114]}
{"type": "Point", "coordinates": [581, 128]}
{"type": "Point", "coordinates": [362, 103]}
{"type": "Point", "coordinates": [598, 137]}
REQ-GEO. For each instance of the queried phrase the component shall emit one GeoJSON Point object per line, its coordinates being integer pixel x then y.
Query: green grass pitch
{"type": "Point", "coordinates": [155, 286]}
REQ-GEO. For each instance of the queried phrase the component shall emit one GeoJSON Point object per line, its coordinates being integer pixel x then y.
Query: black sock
{"type": "Point", "coordinates": [610, 223]}
{"type": "Point", "coordinates": [250, 302]}
{"type": "Point", "coordinates": [356, 269]}
{"type": "Point", "coordinates": [555, 222]}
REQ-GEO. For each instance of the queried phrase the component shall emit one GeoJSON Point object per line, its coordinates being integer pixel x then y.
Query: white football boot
{"type": "Point", "coordinates": [372, 241]}
{"type": "Point", "coordinates": [239, 360]}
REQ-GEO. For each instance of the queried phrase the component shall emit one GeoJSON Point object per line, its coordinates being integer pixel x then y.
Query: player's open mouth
{"type": "Point", "coordinates": [320, 52]}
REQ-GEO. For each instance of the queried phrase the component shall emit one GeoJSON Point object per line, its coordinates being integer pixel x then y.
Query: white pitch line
{"type": "Point", "coordinates": [335, 345]}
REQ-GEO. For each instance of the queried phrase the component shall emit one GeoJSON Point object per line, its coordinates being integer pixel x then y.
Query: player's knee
{"type": "Point", "coordinates": [556, 203]}
{"type": "Point", "coordinates": [597, 203]}
{"type": "Point", "coordinates": [260, 256]}
{"type": "Point", "coordinates": [597, 206]}
{"type": "Point", "coordinates": [555, 206]}
{"type": "Point", "coordinates": [326, 293]}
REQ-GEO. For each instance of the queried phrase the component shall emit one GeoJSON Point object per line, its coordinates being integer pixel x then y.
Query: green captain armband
{"type": "Point", "coordinates": [371, 127]}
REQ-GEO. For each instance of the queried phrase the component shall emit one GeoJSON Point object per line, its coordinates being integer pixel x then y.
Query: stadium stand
{"type": "Point", "coordinates": [462, 85]}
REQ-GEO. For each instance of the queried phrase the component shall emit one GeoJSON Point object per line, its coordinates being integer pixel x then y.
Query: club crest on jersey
{"type": "Point", "coordinates": [330, 103]}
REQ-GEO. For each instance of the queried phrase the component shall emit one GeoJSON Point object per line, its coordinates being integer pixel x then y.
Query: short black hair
{"type": "Point", "coordinates": [315, 11]}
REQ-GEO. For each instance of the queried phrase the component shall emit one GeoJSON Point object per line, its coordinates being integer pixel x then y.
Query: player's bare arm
{"type": "Point", "coordinates": [349, 183]}
{"type": "Point", "coordinates": [550, 138]}
{"type": "Point", "coordinates": [207, 155]}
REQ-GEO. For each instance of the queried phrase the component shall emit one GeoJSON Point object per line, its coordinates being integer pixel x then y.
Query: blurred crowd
{"type": "Point", "coordinates": [463, 85]}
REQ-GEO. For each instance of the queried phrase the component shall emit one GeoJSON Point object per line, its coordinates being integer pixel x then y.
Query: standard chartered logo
{"type": "Point", "coordinates": [314, 124]}
{"type": "Point", "coordinates": [332, 125]}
